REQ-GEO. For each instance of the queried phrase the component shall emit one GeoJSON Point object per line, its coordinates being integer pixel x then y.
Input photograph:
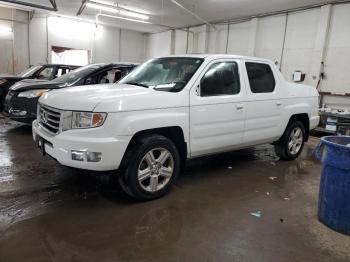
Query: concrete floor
{"type": "Point", "coordinates": [52, 213]}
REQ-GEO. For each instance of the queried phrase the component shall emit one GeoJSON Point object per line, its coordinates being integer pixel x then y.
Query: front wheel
{"type": "Point", "coordinates": [292, 142]}
{"type": "Point", "coordinates": [151, 168]}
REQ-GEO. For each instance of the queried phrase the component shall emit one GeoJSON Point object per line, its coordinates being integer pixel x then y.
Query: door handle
{"type": "Point", "coordinates": [278, 104]}
{"type": "Point", "coordinates": [239, 107]}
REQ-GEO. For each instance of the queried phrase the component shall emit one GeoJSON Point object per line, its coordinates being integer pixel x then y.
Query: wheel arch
{"type": "Point", "coordinates": [173, 133]}
{"type": "Point", "coordinates": [304, 119]}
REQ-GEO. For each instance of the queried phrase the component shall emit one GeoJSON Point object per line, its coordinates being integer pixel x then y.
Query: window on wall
{"type": "Point", "coordinates": [221, 79]}
{"type": "Point", "coordinates": [261, 77]}
{"type": "Point", "coordinates": [68, 56]}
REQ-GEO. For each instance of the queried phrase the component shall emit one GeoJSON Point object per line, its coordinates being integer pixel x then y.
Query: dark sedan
{"type": "Point", "coordinates": [22, 98]}
{"type": "Point", "coordinates": [46, 72]}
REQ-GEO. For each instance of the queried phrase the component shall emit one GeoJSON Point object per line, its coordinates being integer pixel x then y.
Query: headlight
{"type": "Point", "coordinates": [3, 81]}
{"type": "Point", "coordinates": [33, 93]}
{"type": "Point", "coordinates": [85, 120]}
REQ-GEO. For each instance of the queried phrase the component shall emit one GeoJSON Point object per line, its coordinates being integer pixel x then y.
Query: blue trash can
{"type": "Point", "coordinates": [334, 196]}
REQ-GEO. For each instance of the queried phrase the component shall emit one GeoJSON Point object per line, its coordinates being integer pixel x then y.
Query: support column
{"type": "Point", "coordinates": [252, 36]}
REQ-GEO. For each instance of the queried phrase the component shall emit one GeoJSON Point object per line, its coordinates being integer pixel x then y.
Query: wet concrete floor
{"type": "Point", "coordinates": [52, 213]}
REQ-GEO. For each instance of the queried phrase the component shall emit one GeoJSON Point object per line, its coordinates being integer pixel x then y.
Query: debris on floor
{"type": "Point", "coordinates": [256, 214]}
{"type": "Point", "coordinates": [272, 178]}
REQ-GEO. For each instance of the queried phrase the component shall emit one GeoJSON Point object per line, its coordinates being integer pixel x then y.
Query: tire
{"type": "Point", "coordinates": [150, 168]}
{"type": "Point", "coordinates": [2, 102]}
{"type": "Point", "coordinates": [283, 146]}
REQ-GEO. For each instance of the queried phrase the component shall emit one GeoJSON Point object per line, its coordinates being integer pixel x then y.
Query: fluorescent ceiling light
{"type": "Point", "coordinates": [133, 14]}
{"type": "Point", "coordinates": [124, 18]}
{"type": "Point", "coordinates": [102, 7]}
{"type": "Point", "coordinates": [114, 9]}
{"type": "Point", "coordinates": [5, 29]}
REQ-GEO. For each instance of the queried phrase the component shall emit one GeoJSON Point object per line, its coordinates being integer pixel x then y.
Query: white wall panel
{"type": "Point", "coordinates": [159, 44]}
{"type": "Point", "coordinates": [6, 57]}
{"type": "Point", "coordinates": [302, 28]}
{"type": "Point", "coordinates": [38, 40]}
{"type": "Point", "coordinates": [106, 45]}
{"type": "Point", "coordinates": [239, 37]}
{"type": "Point", "coordinates": [337, 66]}
{"type": "Point", "coordinates": [180, 42]}
{"type": "Point", "coordinates": [6, 43]}
{"type": "Point", "coordinates": [199, 44]}
{"type": "Point", "coordinates": [21, 45]}
{"type": "Point", "coordinates": [132, 46]}
{"type": "Point", "coordinates": [217, 40]}
{"type": "Point", "coordinates": [269, 38]}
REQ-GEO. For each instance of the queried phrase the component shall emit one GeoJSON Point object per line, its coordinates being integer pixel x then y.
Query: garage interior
{"type": "Point", "coordinates": [244, 205]}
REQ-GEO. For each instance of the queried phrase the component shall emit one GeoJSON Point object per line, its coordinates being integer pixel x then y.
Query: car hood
{"type": "Point", "coordinates": [30, 84]}
{"type": "Point", "coordinates": [112, 98]}
{"type": "Point", "coordinates": [10, 77]}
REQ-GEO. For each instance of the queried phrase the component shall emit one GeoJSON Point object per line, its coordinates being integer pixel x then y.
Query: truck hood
{"type": "Point", "coordinates": [112, 98]}
{"type": "Point", "coordinates": [30, 84]}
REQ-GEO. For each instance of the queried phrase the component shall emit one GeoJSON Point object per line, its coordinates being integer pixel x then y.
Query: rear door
{"type": "Point", "coordinates": [264, 105]}
{"type": "Point", "coordinates": [217, 111]}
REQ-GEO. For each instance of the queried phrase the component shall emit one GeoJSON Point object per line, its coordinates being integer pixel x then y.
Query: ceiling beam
{"type": "Point", "coordinates": [48, 8]}
{"type": "Point", "coordinates": [82, 7]}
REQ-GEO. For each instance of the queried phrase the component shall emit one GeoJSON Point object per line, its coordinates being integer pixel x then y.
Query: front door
{"type": "Point", "coordinates": [217, 109]}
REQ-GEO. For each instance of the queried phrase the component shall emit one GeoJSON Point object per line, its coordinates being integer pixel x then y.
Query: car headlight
{"type": "Point", "coordinates": [81, 120]}
{"type": "Point", "coordinates": [3, 81]}
{"type": "Point", "coordinates": [33, 93]}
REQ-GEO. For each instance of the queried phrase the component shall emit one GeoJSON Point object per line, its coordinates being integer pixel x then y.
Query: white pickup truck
{"type": "Point", "coordinates": [171, 109]}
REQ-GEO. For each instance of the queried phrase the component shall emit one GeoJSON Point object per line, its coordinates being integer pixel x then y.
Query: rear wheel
{"type": "Point", "coordinates": [151, 168]}
{"type": "Point", "coordinates": [292, 142]}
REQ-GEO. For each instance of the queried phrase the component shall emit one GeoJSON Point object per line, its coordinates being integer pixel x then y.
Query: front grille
{"type": "Point", "coordinates": [49, 118]}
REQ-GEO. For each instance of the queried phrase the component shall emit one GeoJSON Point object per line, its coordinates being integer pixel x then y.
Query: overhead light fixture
{"type": "Point", "coordinates": [133, 14]}
{"type": "Point", "coordinates": [116, 10]}
{"type": "Point", "coordinates": [124, 18]}
{"type": "Point", "coordinates": [5, 29]}
{"type": "Point", "coordinates": [102, 7]}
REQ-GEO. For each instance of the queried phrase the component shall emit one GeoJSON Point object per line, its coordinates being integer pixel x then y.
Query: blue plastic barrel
{"type": "Point", "coordinates": [334, 196]}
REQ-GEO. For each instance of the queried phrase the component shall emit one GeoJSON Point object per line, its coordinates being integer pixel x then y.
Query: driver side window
{"type": "Point", "coordinates": [221, 79]}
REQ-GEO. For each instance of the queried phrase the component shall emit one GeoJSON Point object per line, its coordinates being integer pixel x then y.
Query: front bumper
{"type": "Point", "coordinates": [20, 109]}
{"type": "Point", "coordinates": [314, 122]}
{"type": "Point", "coordinates": [60, 146]}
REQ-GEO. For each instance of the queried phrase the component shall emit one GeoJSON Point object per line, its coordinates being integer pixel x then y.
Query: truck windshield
{"type": "Point", "coordinates": [165, 74]}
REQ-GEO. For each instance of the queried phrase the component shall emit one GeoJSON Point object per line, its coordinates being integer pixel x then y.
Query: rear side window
{"type": "Point", "coordinates": [221, 79]}
{"type": "Point", "coordinates": [260, 77]}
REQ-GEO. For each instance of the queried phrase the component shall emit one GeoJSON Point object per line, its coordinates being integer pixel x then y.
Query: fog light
{"type": "Point", "coordinates": [94, 156]}
{"type": "Point", "coordinates": [17, 112]}
{"type": "Point", "coordinates": [78, 155]}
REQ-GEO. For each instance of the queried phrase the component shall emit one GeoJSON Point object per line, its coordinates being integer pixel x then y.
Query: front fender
{"type": "Point", "coordinates": [130, 123]}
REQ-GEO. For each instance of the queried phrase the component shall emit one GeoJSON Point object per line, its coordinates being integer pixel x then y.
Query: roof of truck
{"type": "Point", "coordinates": [217, 56]}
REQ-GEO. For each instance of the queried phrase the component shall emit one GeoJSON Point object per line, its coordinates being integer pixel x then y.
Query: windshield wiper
{"type": "Point", "coordinates": [137, 84]}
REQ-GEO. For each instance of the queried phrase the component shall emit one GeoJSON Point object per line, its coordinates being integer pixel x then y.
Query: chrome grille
{"type": "Point", "coordinates": [49, 118]}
